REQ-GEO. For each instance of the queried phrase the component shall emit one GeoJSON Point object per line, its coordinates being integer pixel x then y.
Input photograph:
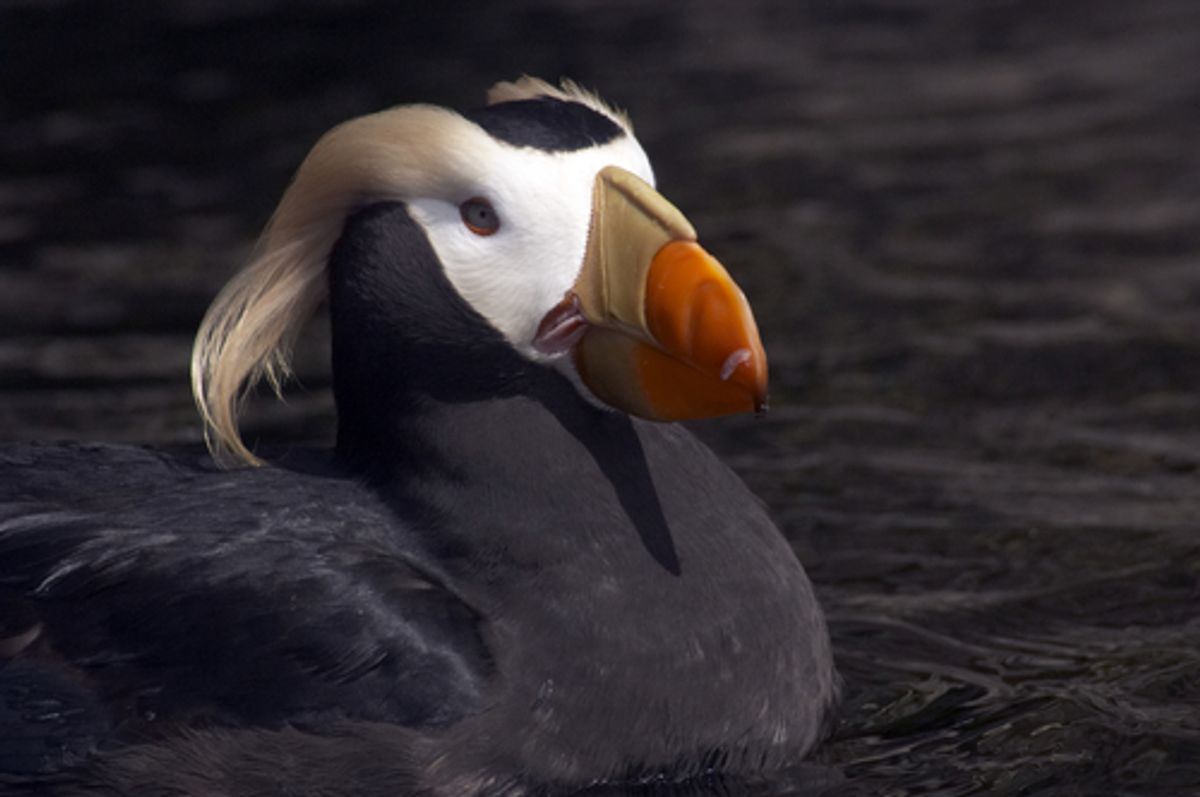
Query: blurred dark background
{"type": "Point", "coordinates": [970, 231]}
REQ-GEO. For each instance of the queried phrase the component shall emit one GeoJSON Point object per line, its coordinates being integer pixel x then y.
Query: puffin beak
{"type": "Point", "coordinates": [667, 334]}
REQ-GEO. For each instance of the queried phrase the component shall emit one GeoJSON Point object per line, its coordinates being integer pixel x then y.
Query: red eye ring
{"type": "Point", "coordinates": [479, 216]}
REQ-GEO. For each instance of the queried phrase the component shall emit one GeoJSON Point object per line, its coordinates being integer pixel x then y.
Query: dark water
{"type": "Point", "coordinates": [971, 231]}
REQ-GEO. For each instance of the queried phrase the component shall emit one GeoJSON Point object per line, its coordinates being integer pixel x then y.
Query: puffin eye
{"type": "Point", "coordinates": [479, 216]}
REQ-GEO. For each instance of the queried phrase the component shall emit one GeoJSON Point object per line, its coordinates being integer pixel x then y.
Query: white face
{"type": "Point", "coordinates": [543, 200]}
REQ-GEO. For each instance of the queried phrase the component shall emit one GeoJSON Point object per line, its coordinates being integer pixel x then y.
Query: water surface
{"type": "Point", "coordinates": [971, 232]}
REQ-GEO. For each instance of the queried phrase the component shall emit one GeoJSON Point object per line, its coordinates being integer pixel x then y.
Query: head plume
{"type": "Point", "coordinates": [248, 331]}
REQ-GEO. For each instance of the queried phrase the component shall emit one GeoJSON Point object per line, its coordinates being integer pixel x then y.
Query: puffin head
{"type": "Point", "coordinates": [538, 214]}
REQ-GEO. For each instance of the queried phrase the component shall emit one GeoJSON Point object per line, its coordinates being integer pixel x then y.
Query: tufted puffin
{"type": "Point", "coordinates": [513, 574]}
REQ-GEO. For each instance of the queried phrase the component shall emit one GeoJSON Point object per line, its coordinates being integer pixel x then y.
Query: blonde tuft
{"type": "Point", "coordinates": [248, 332]}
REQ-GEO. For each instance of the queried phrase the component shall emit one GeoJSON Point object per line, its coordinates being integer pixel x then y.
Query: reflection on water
{"type": "Point", "coordinates": [970, 231]}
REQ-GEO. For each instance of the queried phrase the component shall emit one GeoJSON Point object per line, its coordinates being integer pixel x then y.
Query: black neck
{"type": "Point", "coordinates": [437, 408]}
{"type": "Point", "coordinates": [402, 336]}
{"type": "Point", "coordinates": [407, 347]}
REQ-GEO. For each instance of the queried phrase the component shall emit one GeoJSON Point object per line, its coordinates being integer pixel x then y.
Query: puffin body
{"type": "Point", "coordinates": [502, 580]}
